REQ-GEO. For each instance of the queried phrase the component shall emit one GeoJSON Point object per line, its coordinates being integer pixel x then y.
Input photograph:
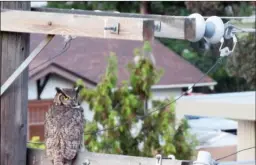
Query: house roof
{"type": "Point", "coordinates": [209, 131]}
{"type": "Point", "coordinates": [213, 138]}
{"type": "Point", "coordinates": [86, 58]}
{"type": "Point", "coordinates": [235, 105]}
{"type": "Point", "coordinates": [213, 123]}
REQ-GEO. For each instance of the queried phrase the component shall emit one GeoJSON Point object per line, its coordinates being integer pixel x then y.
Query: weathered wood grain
{"type": "Point", "coordinates": [15, 48]}
{"type": "Point", "coordinates": [71, 24]}
{"type": "Point", "coordinates": [175, 27]}
{"type": "Point", "coordinates": [37, 157]}
{"type": "Point", "coordinates": [25, 63]}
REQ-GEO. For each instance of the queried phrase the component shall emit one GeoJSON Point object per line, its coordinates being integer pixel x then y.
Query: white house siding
{"type": "Point", "coordinates": [49, 92]}
{"type": "Point", "coordinates": [246, 139]}
{"type": "Point", "coordinates": [32, 91]}
{"type": "Point", "coordinates": [162, 94]}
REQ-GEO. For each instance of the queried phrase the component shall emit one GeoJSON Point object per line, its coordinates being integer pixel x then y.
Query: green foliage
{"type": "Point", "coordinates": [36, 143]}
{"type": "Point", "coordinates": [228, 81]}
{"type": "Point", "coordinates": [210, 8]}
{"type": "Point", "coordinates": [224, 74]}
{"type": "Point", "coordinates": [143, 74]}
{"type": "Point", "coordinates": [117, 106]}
{"type": "Point", "coordinates": [123, 6]}
{"type": "Point", "coordinates": [242, 62]}
{"type": "Point", "coordinates": [183, 141]}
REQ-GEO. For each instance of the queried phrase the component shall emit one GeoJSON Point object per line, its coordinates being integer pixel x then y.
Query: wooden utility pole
{"type": "Point", "coordinates": [145, 7]}
{"type": "Point", "coordinates": [15, 49]}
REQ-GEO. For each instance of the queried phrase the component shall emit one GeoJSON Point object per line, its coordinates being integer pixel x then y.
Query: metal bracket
{"type": "Point", "coordinates": [228, 34]}
{"type": "Point", "coordinates": [229, 31]}
{"type": "Point", "coordinates": [158, 26]}
{"type": "Point", "coordinates": [25, 63]}
{"type": "Point", "coordinates": [172, 157]}
{"type": "Point", "coordinates": [226, 51]}
{"type": "Point", "coordinates": [114, 29]}
{"type": "Point", "coordinates": [158, 159]}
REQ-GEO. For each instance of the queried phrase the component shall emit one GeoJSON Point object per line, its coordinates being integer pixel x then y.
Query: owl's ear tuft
{"type": "Point", "coordinates": [78, 88]}
{"type": "Point", "coordinates": [58, 90]}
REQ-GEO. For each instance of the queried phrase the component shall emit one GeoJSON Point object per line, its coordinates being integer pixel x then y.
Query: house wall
{"type": "Point", "coordinates": [219, 152]}
{"type": "Point", "coordinates": [162, 94]}
{"type": "Point", "coordinates": [49, 91]}
{"type": "Point", "coordinates": [32, 91]}
{"type": "Point", "coordinates": [54, 80]}
{"type": "Point", "coordinates": [246, 139]}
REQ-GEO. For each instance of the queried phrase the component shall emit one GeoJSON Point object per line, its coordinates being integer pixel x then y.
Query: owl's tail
{"type": "Point", "coordinates": [69, 162]}
{"type": "Point", "coordinates": [58, 159]}
{"type": "Point", "coordinates": [58, 163]}
{"type": "Point", "coordinates": [63, 163]}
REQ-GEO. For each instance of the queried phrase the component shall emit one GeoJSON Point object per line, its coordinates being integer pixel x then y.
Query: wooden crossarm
{"type": "Point", "coordinates": [74, 24]}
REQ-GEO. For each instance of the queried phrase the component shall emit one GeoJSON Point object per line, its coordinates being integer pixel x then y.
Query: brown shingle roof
{"type": "Point", "coordinates": [86, 57]}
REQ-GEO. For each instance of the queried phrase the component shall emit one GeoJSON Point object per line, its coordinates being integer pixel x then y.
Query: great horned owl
{"type": "Point", "coordinates": [64, 127]}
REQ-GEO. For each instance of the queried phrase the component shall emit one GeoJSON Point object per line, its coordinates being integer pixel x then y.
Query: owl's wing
{"type": "Point", "coordinates": [72, 133]}
{"type": "Point", "coordinates": [46, 127]}
{"type": "Point", "coordinates": [50, 131]}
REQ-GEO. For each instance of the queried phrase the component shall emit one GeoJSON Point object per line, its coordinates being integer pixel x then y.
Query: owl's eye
{"type": "Point", "coordinates": [62, 97]}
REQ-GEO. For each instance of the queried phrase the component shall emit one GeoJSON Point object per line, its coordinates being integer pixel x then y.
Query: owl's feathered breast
{"type": "Point", "coordinates": [64, 128]}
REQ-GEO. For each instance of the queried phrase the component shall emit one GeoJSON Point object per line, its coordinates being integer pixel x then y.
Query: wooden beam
{"type": "Point", "coordinates": [25, 63]}
{"type": "Point", "coordinates": [175, 27]}
{"type": "Point", "coordinates": [13, 121]}
{"type": "Point", "coordinates": [37, 157]}
{"type": "Point", "coordinates": [72, 24]}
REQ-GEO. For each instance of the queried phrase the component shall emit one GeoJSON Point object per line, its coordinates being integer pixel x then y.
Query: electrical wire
{"type": "Point", "coordinates": [64, 49]}
{"type": "Point", "coordinates": [235, 153]}
{"type": "Point", "coordinates": [219, 61]}
{"type": "Point", "coordinates": [122, 14]}
{"type": "Point", "coordinates": [136, 15]}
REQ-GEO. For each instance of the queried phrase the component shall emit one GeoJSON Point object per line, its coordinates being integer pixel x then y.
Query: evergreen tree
{"type": "Point", "coordinates": [120, 108]}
